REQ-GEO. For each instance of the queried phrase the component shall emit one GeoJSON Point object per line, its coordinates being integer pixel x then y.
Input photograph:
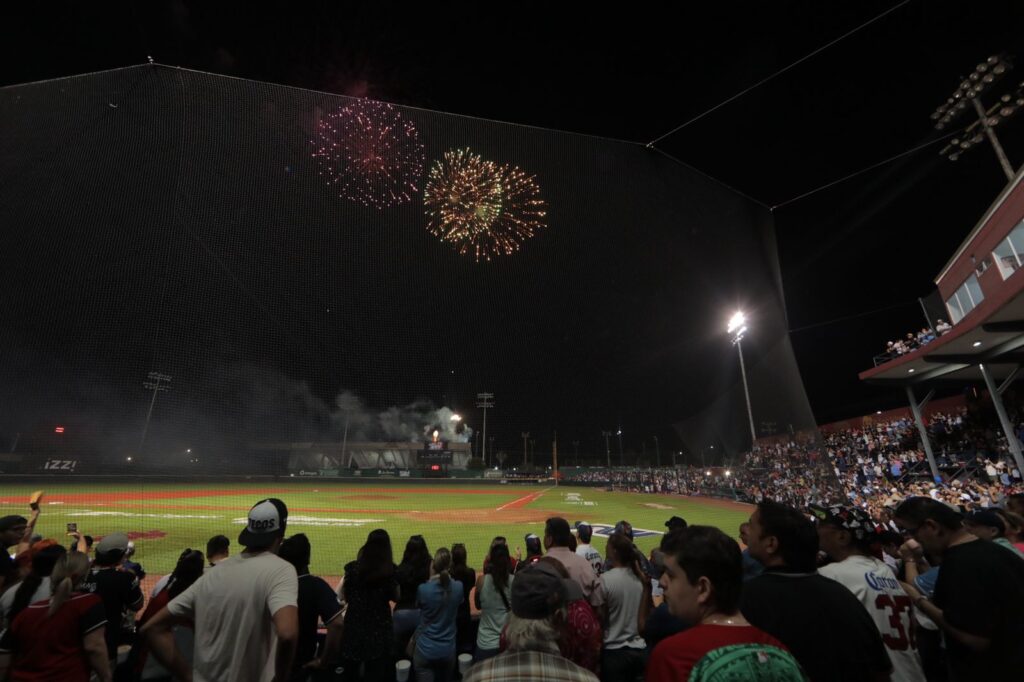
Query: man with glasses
{"type": "Point", "coordinates": [979, 593]}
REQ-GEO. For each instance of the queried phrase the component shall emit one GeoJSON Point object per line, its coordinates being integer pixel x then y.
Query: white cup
{"type": "Point", "coordinates": [465, 661]}
{"type": "Point", "coordinates": [402, 669]}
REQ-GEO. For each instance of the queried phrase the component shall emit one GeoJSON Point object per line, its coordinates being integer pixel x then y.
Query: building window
{"type": "Point", "coordinates": [966, 299]}
{"type": "Point", "coordinates": [1009, 255]}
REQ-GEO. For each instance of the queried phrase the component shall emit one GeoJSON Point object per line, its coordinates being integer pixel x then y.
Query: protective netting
{"type": "Point", "coordinates": [327, 280]}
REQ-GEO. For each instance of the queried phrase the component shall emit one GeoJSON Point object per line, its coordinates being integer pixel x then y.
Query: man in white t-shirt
{"type": "Point", "coordinates": [846, 535]}
{"type": "Point", "coordinates": [245, 612]}
{"type": "Point", "coordinates": [584, 533]}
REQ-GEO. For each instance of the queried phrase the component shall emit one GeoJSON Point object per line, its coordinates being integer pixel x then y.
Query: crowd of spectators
{"type": "Point", "coordinates": [912, 341]}
{"type": "Point", "coordinates": [820, 592]}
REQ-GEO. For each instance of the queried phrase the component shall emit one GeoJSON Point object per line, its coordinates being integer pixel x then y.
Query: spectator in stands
{"type": "Point", "coordinates": [439, 599]}
{"type": "Point", "coordinates": [988, 524]}
{"type": "Point", "coordinates": [12, 530]}
{"type": "Point", "coordinates": [216, 552]}
{"type": "Point", "coordinates": [582, 635]}
{"type": "Point", "coordinates": [819, 620]}
{"type": "Point", "coordinates": [627, 604]}
{"type": "Point", "coordinates": [411, 573]}
{"type": "Point", "coordinates": [133, 566]}
{"type": "Point", "coordinates": [941, 326]}
{"type": "Point", "coordinates": [751, 566]}
{"type": "Point", "coordinates": [188, 570]}
{"type": "Point", "coordinates": [557, 537]}
{"type": "Point", "coordinates": [62, 637]}
{"type": "Point", "coordinates": [117, 589]}
{"type": "Point", "coordinates": [492, 600]}
{"type": "Point", "coordinates": [660, 624]}
{"type": "Point", "coordinates": [239, 610]}
{"type": "Point", "coordinates": [584, 533]}
{"type": "Point", "coordinates": [35, 586]}
{"type": "Point", "coordinates": [370, 587]}
{"type": "Point", "coordinates": [702, 582]}
{"type": "Point", "coordinates": [848, 536]}
{"type": "Point", "coordinates": [464, 637]}
{"type": "Point", "coordinates": [1014, 529]}
{"type": "Point", "coordinates": [538, 611]}
{"type": "Point", "coordinates": [626, 528]}
{"type": "Point", "coordinates": [979, 592]}
{"type": "Point", "coordinates": [318, 604]}
{"type": "Point", "coordinates": [499, 540]}
{"type": "Point", "coordinates": [533, 551]}
{"type": "Point", "coordinates": [218, 548]}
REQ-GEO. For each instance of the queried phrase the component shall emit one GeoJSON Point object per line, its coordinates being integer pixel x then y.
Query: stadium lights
{"type": "Point", "coordinates": [910, 371]}
{"type": "Point", "coordinates": [976, 344]}
{"type": "Point", "coordinates": [455, 418]}
{"type": "Point", "coordinates": [737, 328]}
{"type": "Point", "coordinates": [984, 76]}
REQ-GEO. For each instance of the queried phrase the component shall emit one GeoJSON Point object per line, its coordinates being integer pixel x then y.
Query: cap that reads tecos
{"type": "Point", "coordinates": [266, 522]}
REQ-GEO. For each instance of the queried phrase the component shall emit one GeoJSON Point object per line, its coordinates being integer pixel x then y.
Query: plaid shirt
{"type": "Point", "coordinates": [523, 666]}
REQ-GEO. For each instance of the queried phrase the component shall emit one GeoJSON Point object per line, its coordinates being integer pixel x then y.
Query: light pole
{"type": "Point", "coordinates": [157, 382]}
{"type": "Point", "coordinates": [737, 328]}
{"type": "Point", "coordinates": [607, 447]}
{"type": "Point", "coordinates": [657, 452]}
{"type": "Point", "coordinates": [622, 457]}
{"type": "Point", "coordinates": [485, 400]}
{"type": "Point", "coordinates": [968, 93]}
{"type": "Point", "coordinates": [526, 439]}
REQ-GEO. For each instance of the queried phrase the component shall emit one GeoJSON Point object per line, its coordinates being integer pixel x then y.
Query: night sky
{"type": "Point", "coordinates": [860, 252]}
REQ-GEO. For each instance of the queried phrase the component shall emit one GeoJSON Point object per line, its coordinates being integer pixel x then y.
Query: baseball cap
{"type": "Point", "coordinates": [537, 592]}
{"type": "Point", "coordinates": [675, 522]}
{"type": "Point", "coordinates": [986, 517]}
{"type": "Point", "coordinates": [532, 542]}
{"type": "Point", "coordinates": [266, 522]}
{"type": "Point", "coordinates": [112, 543]}
{"type": "Point", "coordinates": [856, 521]}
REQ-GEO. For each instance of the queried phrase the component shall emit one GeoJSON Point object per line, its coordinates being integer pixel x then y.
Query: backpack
{"type": "Point", "coordinates": [748, 662]}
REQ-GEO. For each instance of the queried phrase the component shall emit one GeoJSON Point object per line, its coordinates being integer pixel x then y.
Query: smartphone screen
{"type": "Point", "coordinates": [72, 527]}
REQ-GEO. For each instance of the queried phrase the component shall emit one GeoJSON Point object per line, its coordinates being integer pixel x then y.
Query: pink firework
{"type": "Point", "coordinates": [369, 153]}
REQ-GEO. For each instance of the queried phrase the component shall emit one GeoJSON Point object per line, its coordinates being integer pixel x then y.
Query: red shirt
{"type": "Point", "coordinates": [675, 656]}
{"type": "Point", "coordinates": [47, 649]}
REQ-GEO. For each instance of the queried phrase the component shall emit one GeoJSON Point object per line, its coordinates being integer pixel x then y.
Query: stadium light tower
{"type": "Point", "coordinates": [157, 382]}
{"type": "Point", "coordinates": [737, 328]}
{"type": "Point", "coordinates": [485, 400]}
{"type": "Point", "coordinates": [968, 93]}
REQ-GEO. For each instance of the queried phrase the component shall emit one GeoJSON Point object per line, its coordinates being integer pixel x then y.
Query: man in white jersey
{"type": "Point", "coordinates": [584, 549]}
{"type": "Point", "coordinates": [847, 536]}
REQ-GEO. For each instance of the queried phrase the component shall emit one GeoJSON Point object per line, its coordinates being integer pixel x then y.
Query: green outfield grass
{"type": "Point", "coordinates": [166, 518]}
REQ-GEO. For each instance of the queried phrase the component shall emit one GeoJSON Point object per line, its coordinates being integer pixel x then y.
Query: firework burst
{"type": "Point", "coordinates": [481, 208]}
{"type": "Point", "coordinates": [369, 153]}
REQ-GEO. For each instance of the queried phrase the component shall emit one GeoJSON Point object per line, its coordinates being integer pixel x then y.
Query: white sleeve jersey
{"type": "Point", "coordinates": [875, 586]}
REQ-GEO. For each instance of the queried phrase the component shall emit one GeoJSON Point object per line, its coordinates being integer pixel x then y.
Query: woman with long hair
{"type": "Point", "coordinates": [60, 638]}
{"type": "Point", "coordinates": [464, 621]}
{"type": "Point", "coordinates": [188, 570]}
{"type": "Point", "coordinates": [492, 600]}
{"type": "Point", "coordinates": [369, 589]}
{"type": "Point", "coordinates": [439, 599]}
{"type": "Point", "coordinates": [411, 573]}
{"type": "Point", "coordinates": [33, 587]}
{"type": "Point", "coordinates": [627, 604]}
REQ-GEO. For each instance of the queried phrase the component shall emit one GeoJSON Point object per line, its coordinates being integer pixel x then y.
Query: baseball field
{"type": "Point", "coordinates": [164, 519]}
